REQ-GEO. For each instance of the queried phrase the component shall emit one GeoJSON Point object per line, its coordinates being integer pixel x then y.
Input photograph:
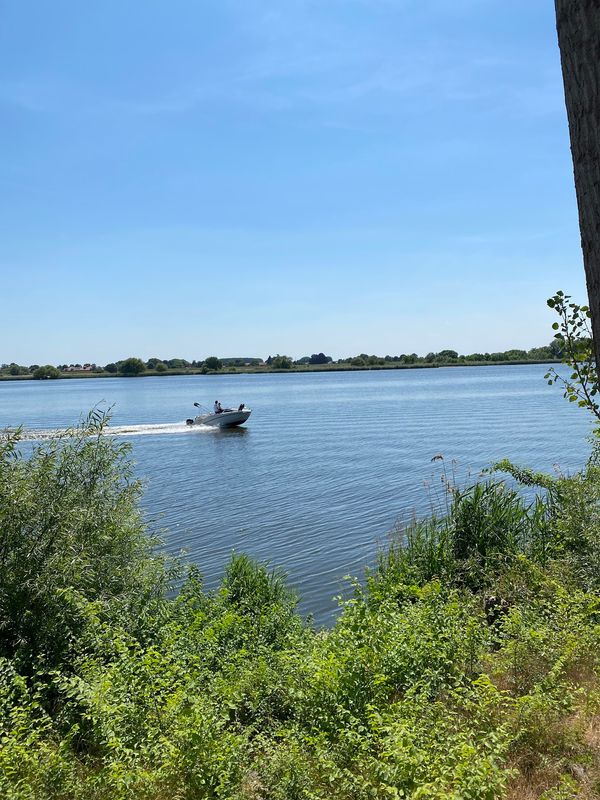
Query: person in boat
{"type": "Point", "coordinates": [218, 408]}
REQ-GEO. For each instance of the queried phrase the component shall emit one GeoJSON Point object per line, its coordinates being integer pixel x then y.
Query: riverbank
{"type": "Point", "coordinates": [264, 369]}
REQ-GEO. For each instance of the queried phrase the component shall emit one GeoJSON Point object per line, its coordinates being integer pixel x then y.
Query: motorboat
{"type": "Point", "coordinates": [227, 418]}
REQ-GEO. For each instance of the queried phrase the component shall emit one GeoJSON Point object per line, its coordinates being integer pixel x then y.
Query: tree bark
{"type": "Point", "coordinates": [578, 27]}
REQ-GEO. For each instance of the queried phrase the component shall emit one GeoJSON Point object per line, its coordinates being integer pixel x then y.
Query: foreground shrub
{"type": "Point", "coordinates": [70, 532]}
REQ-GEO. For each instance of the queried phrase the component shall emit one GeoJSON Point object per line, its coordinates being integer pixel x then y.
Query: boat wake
{"type": "Point", "coordinates": [155, 429]}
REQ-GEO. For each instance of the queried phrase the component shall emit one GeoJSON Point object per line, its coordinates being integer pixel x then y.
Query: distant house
{"type": "Point", "coordinates": [79, 368]}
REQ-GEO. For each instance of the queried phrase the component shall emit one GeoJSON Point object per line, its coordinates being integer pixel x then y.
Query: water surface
{"type": "Point", "coordinates": [328, 462]}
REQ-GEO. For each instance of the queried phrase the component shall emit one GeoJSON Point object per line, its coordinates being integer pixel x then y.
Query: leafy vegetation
{"type": "Point", "coordinates": [132, 366]}
{"type": "Point", "coordinates": [212, 362]}
{"type": "Point", "coordinates": [279, 362]}
{"type": "Point", "coordinates": [40, 373]}
{"type": "Point", "coordinates": [574, 335]}
{"type": "Point", "coordinates": [465, 666]}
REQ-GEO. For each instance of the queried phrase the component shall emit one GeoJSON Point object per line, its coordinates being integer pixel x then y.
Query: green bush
{"type": "Point", "coordinates": [47, 371]}
{"type": "Point", "coordinates": [71, 533]}
{"type": "Point", "coordinates": [131, 366]}
{"type": "Point", "coordinates": [212, 362]}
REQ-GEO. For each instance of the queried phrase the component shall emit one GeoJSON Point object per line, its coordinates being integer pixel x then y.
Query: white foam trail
{"type": "Point", "coordinates": [154, 429]}
{"type": "Point", "coordinates": [151, 429]}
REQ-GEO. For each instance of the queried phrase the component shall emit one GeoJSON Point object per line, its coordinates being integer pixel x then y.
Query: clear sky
{"type": "Point", "coordinates": [246, 177]}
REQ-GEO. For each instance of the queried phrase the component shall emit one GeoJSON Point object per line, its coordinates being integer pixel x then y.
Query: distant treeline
{"type": "Point", "coordinates": [551, 352]}
{"type": "Point", "coordinates": [137, 366]}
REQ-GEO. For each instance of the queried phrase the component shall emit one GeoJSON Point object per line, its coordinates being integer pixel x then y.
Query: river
{"type": "Point", "coordinates": [328, 462]}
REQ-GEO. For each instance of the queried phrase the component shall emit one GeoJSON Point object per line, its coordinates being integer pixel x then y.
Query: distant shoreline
{"type": "Point", "coordinates": [265, 370]}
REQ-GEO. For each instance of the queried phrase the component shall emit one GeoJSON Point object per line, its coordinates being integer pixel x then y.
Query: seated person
{"type": "Point", "coordinates": [217, 407]}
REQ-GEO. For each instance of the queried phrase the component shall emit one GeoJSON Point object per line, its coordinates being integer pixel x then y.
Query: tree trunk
{"type": "Point", "coordinates": [578, 26]}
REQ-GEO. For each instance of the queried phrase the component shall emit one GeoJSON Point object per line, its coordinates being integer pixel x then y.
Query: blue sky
{"type": "Point", "coordinates": [246, 177]}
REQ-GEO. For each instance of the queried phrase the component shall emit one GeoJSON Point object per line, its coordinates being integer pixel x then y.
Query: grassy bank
{"type": "Point", "coordinates": [263, 369]}
{"type": "Point", "coordinates": [465, 666]}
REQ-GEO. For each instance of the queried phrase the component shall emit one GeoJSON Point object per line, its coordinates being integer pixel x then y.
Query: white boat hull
{"type": "Point", "coordinates": [226, 419]}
